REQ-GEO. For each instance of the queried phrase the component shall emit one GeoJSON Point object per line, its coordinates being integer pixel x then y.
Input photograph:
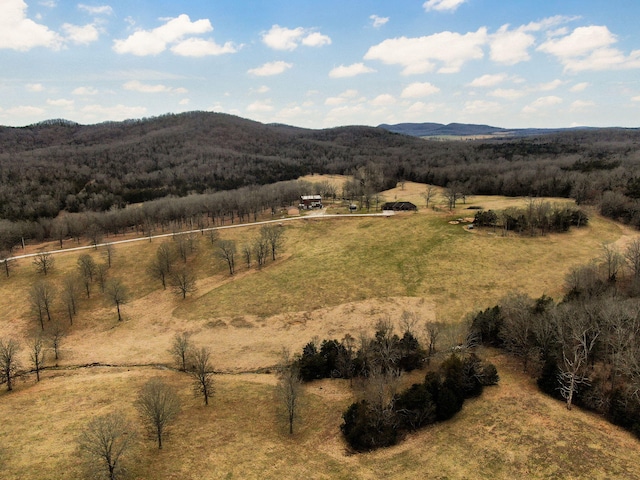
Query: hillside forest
{"type": "Point", "coordinates": [223, 167]}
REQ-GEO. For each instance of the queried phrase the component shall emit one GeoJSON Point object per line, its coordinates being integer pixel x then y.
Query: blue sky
{"type": "Point", "coordinates": [317, 64]}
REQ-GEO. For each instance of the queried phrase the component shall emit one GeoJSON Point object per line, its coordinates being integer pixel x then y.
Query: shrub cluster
{"type": "Point", "coordinates": [368, 425]}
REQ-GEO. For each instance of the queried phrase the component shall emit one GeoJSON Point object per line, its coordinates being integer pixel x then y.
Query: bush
{"type": "Point", "coordinates": [364, 430]}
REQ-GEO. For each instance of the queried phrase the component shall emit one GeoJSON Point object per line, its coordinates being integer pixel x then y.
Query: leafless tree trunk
{"type": "Point", "coordinates": [181, 349]}
{"type": "Point", "coordinates": [105, 441]}
{"type": "Point", "coordinates": [429, 194]}
{"type": "Point", "coordinates": [70, 286]}
{"type": "Point", "coordinates": [37, 355]}
{"type": "Point", "coordinates": [632, 256]}
{"type": "Point", "coordinates": [289, 388]}
{"type": "Point", "coordinates": [433, 330]}
{"type": "Point", "coordinates": [613, 261]}
{"type": "Point", "coordinates": [9, 364]}
{"type": "Point", "coordinates": [516, 329]}
{"type": "Point", "coordinates": [56, 334]}
{"type": "Point", "coordinates": [274, 236]}
{"type": "Point", "coordinates": [41, 298]}
{"type": "Point", "coordinates": [109, 253]}
{"type": "Point", "coordinates": [43, 262]}
{"type": "Point", "coordinates": [183, 282]}
{"type": "Point", "coordinates": [118, 294]}
{"type": "Point", "coordinates": [202, 373]}
{"type": "Point", "coordinates": [102, 272]}
{"type": "Point", "coordinates": [158, 405]}
{"type": "Point", "coordinates": [227, 252]}
{"type": "Point", "coordinates": [246, 253]}
{"type": "Point", "coordinates": [579, 336]}
{"type": "Point", "coordinates": [260, 251]}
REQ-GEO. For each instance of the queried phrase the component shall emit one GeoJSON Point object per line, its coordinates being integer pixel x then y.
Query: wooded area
{"type": "Point", "coordinates": [58, 166]}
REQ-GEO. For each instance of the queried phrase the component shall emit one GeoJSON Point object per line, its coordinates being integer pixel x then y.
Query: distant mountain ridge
{"type": "Point", "coordinates": [430, 129]}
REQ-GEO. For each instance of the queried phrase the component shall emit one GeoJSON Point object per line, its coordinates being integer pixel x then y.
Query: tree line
{"type": "Point", "coordinates": [584, 349]}
{"type": "Point", "coordinates": [62, 167]}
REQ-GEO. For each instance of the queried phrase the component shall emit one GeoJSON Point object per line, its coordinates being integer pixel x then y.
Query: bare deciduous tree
{"type": "Point", "coordinates": [202, 373]}
{"type": "Point", "coordinates": [289, 388]}
{"type": "Point", "coordinates": [158, 405]}
{"type": "Point", "coordinates": [433, 329]}
{"type": "Point", "coordinates": [7, 264]}
{"type": "Point", "coordinates": [9, 364]}
{"type": "Point", "coordinates": [37, 355]}
{"type": "Point", "coordinates": [70, 292]}
{"type": "Point", "coordinates": [102, 272]}
{"type": "Point", "coordinates": [41, 298]}
{"type": "Point", "coordinates": [109, 252]}
{"type": "Point", "coordinates": [181, 349]}
{"type": "Point", "coordinates": [118, 294]}
{"type": "Point", "coordinates": [579, 335]}
{"type": "Point", "coordinates": [227, 252]}
{"type": "Point", "coordinates": [104, 442]}
{"type": "Point", "coordinates": [43, 262]}
{"type": "Point", "coordinates": [274, 236]}
{"type": "Point", "coordinates": [56, 334]}
{"type": "Point", "coordinates": [516, 327]}
{"type": "Point", "coordinates": [612, 259]}
{"type": "Point", "coordinates": [260, 251]}
{"type": "Point", "coordinates": [183, 282]}
{"type": "Point", "coordinates": [632, 256]}
{"type": "Point", "coordinates": [429, 194]}
{"type": "Point", "coordinates": [246, 253]}
{"type": "Point", "coordinates": [87, 266]}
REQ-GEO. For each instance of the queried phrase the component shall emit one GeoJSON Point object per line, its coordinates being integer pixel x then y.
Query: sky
{"type": "Point", "coordinates": [320, 64]}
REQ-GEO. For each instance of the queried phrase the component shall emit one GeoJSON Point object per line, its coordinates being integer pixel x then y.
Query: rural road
{"type": "Point", "coordinates": [314, 215]}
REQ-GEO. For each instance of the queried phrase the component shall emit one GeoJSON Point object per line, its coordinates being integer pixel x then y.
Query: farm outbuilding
{"type": "Point", "coordinates": [400, 206]}
{"type": "Point", "coordinates": [307, 202]}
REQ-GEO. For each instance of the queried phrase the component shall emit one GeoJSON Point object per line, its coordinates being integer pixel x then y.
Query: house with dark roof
{"type": "Point", "coordinates": [400, 206]}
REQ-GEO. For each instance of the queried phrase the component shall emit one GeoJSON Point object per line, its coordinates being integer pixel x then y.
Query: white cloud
{"type": "Point", "coordinates": [636, 98]}
{"type": "Point", "coordinates": [184, 101]}
{"type": "Point", "coordinates": [378, 21]}
{"type": "Point", "coordinates": [261, 89]}
{"type": "Point", "coordinates": [113, 113]}
{"type": "Point", "coordinates": [418, 90]}
{"type": "Point", "coordinates": [81, 35]}
{"type": "Point", "coordinates": [316, 39]}
{"type": "Point", "coordinates": [510, 46]}
{"type": "Point", "coordinates": [34, 87]}
{"type": "Point", "coordinates": [48, 3]}
{"type": "Point", "coordinates": [345, 71]}
{"type": "Point", "coordinates": [17, 32]}
{"type": "Point", "coordinates": [334, 101]}
{"type": "Point", "coordinates": [270, 68]}
{"type": "Point", "coordinates": [418, 54]}
{"type": "Point", "coordinates": [153, 42]}
{"type": "Point", "coordinates": [383, 100]}
{"type": "Point", "coordinates": [420, 110]}
{"type": "Point", "coordinates": [488, 80]}
{"type": "Point", "coordinates": [581, 105]}
{"type": "Point", "coordinates": [96, 10]}
{"type": "Point", "coordinates": [25, 111]}
{"type": "Point", "coordinates": [579, 87]}
{"type": "Point", "coordinates": [590, 48]}
{"type": "Point", "coordinates": [283, 38]}
{"type": "Point", "coordinates": [136, 86]}
{"type": "Point", "coordinates": [507, 93]}
{"type": "Point", "coordinates": [198, 47]}
{"type": "Point", "coordinates": [545, 87]}
{"type": "Point", "coordinates": [260, 106]}
{"type": "Point", "coordinates": [480, 107]}
{"type": "Point", "coordinates": [60, 102]}
{"type": "Point", "coordinates": [542, 103]}
{"type": "Point", "coordinates": [442, 5]}
{"type": "Point", "coordinates": [85, 91]}
{"type": "Point", "coordinates": [344, 97]}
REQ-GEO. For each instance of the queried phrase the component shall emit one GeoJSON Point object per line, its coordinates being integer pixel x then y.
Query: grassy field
{"type": "Point", "coordinates": [335, 276]}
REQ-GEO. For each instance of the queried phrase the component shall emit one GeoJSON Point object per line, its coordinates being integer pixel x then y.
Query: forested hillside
{"type": "Point", "coordinates": [58, 166]}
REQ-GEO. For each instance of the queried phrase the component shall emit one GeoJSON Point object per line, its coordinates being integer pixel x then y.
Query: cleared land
{"type": "Point", "coordinates": [336, 276]}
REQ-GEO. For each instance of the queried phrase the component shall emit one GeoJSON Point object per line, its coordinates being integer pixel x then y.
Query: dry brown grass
{"type": "Point", "coordinates": [337, 276]}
